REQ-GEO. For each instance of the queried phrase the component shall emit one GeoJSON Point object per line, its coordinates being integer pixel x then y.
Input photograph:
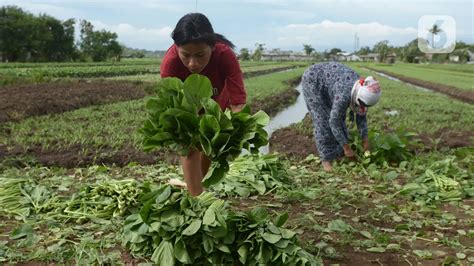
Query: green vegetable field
{"type": "Point", "coordinates": [88, 184]}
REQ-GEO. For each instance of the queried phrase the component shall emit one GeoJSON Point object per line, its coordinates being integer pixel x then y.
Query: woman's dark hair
{"type": "Point", "coordinates": [195, 28]}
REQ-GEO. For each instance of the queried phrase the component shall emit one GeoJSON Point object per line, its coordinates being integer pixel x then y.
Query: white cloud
{"type": "Point", "coordinates": [291, 14]}
{"type": "Point", "coordinates": [45, 8]}
{"type": "Point", "coordinates": [341, 34]}
{"type": "Point", "coordinates": [148, 38]}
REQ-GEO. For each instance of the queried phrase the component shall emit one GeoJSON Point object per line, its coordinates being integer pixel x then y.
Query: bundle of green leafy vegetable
{"type": "Point", "coordinates": [442, 180]}
{"type": "Point", "coordinates": [103, 200]}
{"type": "Point", "coordinates": [11, 198]}
{"type": "Point", "coordinates": [184, 117]}
{"type": "Point", "coordinates": [174, 228]}
{"type": "Point", "coordinates": [253, 174]}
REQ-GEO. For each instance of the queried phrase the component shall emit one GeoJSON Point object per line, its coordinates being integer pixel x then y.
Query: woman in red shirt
{"type": "Point", "coordinates": [197, 49]}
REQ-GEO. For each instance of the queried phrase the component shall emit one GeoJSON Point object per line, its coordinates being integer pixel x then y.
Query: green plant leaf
{"type": "Point", "coordinates": [258, 214]}
{"type": "Point", "coordinates": [197, 88]}
{"type": "Point", "coordinates": [261, 118]}
{"type": "Point", "coordinates": [216, 173]}
{"type": "Point", "coordinates": [409, 188]}
{"type": "Point", "coordinates": [271, 238]}
{"type": "Point", "coordinates": [286, 233]}
{"type": "Point", "coordinates": [243, 253]}
{"type": "Point", "coordinates": [164, 254]}
{"type": "Point", "coordinates": [181, 253]}
{"type": "Point", "coordinates": [192, 228]}
{"type": "Point", "coordinates": [376, 249]}
{"type": "Point", "coordinates": [25, 230]}
{"type": "Point", "coordinates": [281, 219]}
{"type": "Point", "coordinates": [164, 195]}
{"type": "Point", "coordinates": [423, 254]}
{"type": "Point", "coordinates": [209, 217]}
{"type": "Point", "coordinates": [339, 225]}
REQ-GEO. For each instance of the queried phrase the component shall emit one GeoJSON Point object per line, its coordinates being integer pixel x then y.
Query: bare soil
{"type": "Point", "coordinates": [19, 102]}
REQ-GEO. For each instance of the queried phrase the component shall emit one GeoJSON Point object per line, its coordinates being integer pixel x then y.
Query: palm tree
{"type": "Point", "coordinates": [308, 49]}
{"type": "Point", "coordinates": [434, 31]}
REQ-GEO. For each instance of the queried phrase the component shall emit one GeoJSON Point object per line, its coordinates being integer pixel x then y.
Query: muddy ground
{"type": "Point", "coordinates": [19, 102]}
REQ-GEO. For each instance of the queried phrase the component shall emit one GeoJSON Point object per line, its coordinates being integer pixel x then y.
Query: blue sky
{"type": "Point", "coordinates": [283, 24]}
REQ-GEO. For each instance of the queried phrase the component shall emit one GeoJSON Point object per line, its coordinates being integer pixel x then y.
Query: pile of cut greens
{"type": "Point", "coordinates": [173, 227]}
{"type": "Point", "coordinates": [253, 174]}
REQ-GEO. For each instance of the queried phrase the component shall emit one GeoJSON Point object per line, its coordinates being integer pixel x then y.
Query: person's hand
{"type": "Point", "coordinates": [236, 108]}
{"type": "Point", "coordinates": [348, 152]}
{"type": "Point", "coordinates": [365, 143]}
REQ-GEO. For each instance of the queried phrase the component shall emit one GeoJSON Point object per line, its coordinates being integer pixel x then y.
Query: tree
{"type": "Point", "coordinates": [334, 51]}
{"type": "Point", "coordinates": [244, 54]}
{"type": "Point", "coordinates": [308, 49]}
{"type": "Point", "coordinates": [99, 45]}
{"type": "Point", "coordinates": [463, 45]}
{"type": "Point", "coordinates": [257, 54]}
{"type": "Point", "coordinates": [410, 52]}
{"type": "Point", "coordinates": [17, 29]}
{"type": "Point", "coordinates": [363, 50]}
{"type": "Point", "coordinates": [434, 30]}
{"type": "Point", "coordinates": [382, 49]}
{"type": "Point", "coordinates": [58, 39]}
{"type": "Point", "coordinates": [137, 54]}
{"type": "Point", "coordinates": [26, 37]}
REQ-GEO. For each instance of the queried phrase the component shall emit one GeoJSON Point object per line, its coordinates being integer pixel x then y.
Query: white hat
{"type": "Point", "coordinates": [369, 91]}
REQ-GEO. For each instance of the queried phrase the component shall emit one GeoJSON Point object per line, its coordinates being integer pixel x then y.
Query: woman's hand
{"type": "Point", "coordinates": [237, 108]}
{"type": "Point", "coordinates": [348, 152]}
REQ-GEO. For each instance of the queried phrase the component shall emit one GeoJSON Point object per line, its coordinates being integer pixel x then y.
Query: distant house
{"type": "Point", "coordinates": [461, 56]}
{"type": "Point", "coordinates": [344, 56]}
{"type": "Point", "coordinates": [277, 55]}
{"type": "Point", "coordinates": [454, 58]}
{"type": "Point", "coordinates": [391, 57]}
{"type": "Point", "coordinates": [353, 57]}
{"type": "Point", "coordinates": [370, 57]}
{"type": "Point", "coordinates": [373, 57]}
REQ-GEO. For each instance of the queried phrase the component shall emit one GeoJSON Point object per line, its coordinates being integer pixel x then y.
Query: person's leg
{"type": "Point", "coordinates": [327, 166]}
{"type": "Point", "coordinates": [320, 115]}
{"type": "Point", "coordinates": [192, 172]}
{"type": "Point", "coordinates": [324, 143]}
{"type": "Point", "coordinates": [205, 164]}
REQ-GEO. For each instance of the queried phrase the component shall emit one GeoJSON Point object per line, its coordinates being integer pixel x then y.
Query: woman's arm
{"type": "Point", "coordinates": [336, 122]}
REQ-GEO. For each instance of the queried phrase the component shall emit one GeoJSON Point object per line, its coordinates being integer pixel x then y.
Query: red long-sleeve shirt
{"type": "Point", "coordinates": [223, 70]}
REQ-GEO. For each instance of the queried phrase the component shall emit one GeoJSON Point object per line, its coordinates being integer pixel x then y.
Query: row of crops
{"type": "Point", "coordinates": [40, 72]}
{"type": "Point", "coordinates": [123, 62]}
